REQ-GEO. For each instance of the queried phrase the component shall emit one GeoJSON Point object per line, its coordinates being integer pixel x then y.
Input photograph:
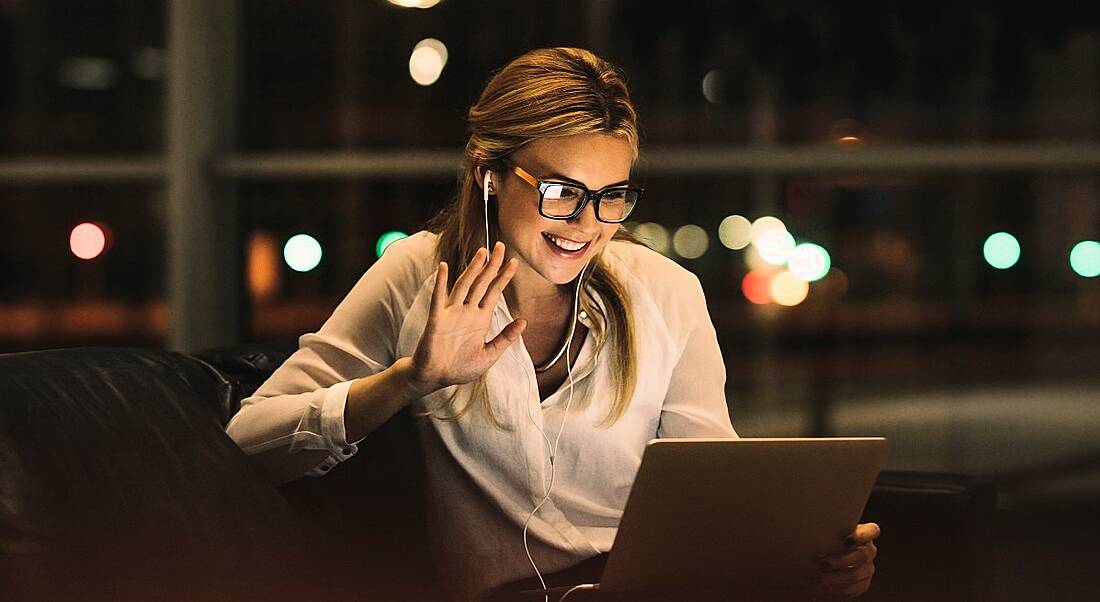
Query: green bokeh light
{"type": "Point", "coordinates": [1001, 250]}
{"type": "Point", "coordinates": [809, 262]}
{"type": "Point", "coordinates": [302, 252]}
{"type": "Point", "coordinates": [1085, 258]}
{"type": "Point", "coordinates": [388, 239]}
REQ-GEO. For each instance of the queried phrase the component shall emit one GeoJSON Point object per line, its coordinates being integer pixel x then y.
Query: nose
{"type": "Point", "coordinates": [587, 217]}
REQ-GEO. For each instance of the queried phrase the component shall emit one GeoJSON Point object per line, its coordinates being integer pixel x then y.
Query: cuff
{"type": "Point", "coordinates": [332, 421]}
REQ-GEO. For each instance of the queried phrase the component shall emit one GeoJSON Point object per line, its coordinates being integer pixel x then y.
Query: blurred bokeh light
{"type": "Point", "coordinates": [756, 286]}
{"type": "Point", "coordinates": [302, 252]}
{"type": "Point", "coordinates": [87, 240]}
{"type": "Point", "coordinates": [655, 235]}
{"type": "Point", "coordinates": [809, 262]}
{"type": "Point", "coordinates": [1084, 258]}
{"type": "Point", "coordinates": [1001, 250]}
{"type": "Point", "coordinates": [775, 245]}
{"type": "Point", "coordinates": [386, 240]}
{"type": "Point", "coordinates": [735, 232]}
{"type": "Point", "coordinates": [690, 241]}
{"type": "Point", "coordinates": [787, 289]}
{"type": "Point", "coordinates": [427, 61]}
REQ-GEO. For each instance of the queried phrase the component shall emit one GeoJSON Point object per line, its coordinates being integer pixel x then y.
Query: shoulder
{"type": "Point", "coordinates": [662, 278]}
{"type": "Point", "coordinates": [413, 257]}
{"type": "Point", "coordinates": [401, 271]}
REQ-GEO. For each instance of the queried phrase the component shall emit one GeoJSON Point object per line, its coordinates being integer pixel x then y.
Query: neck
{"type": "Point", "coordinates": [529, 294]}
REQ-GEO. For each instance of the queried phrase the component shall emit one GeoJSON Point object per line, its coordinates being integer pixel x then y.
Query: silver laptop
{"type": "Point", "coordinates": [739, 515]}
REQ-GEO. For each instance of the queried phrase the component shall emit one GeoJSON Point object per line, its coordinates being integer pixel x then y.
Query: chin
{"type": "Point", "coordinates": [560, 272]}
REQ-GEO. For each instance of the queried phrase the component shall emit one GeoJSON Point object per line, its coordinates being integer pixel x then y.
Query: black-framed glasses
{"type": "Point", "coordinates": [566, 200]}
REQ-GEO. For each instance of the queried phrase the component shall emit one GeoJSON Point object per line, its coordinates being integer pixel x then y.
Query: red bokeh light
{"type": "Point", "coordinates": [756, 285]}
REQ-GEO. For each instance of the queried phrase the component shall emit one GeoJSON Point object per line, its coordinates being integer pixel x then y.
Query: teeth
{"type": "Point", "coordinates": [568, 245]}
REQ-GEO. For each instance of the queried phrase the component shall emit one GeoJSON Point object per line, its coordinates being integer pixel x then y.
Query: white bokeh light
{"type": "Point", "coordinates": [712, 86]}
{"type": "Point", "coordinates": [735, 232]}
{"type": "Point", "coordinates": [787, 289]}
{"type": "Point", "coordinates": [427, 60]}
{"type": "Point", "coordinates": [809, 262]}
{"type": "Point", "coordinates": [87, 240]}
{"type": "Point", "coordinates": [302, 252]}
{"type": "Point", "coordinates": [414, 3]}
{"type": "Point", "coordinates": [654, 235]}
{"type": "Point", "coordinates": [775, 246]}
{"type": "Point", "coordinates": [765, 224]}
{"type": "Point", "coordinates": [690, 241]}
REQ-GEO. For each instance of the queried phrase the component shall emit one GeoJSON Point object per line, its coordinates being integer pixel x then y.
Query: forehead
{"type": "Point", "coordinates": [595, 160]}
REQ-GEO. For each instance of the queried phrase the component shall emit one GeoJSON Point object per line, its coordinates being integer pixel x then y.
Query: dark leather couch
{"type": "Point", "coordinates": [117, 482]}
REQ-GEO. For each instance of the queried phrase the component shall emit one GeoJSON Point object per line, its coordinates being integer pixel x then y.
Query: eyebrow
{"type": "Point", "coordinates": [558, 176]}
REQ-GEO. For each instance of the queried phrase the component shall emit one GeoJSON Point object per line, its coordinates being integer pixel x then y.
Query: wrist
{"type": "Point", "coordinates": [414, 384]}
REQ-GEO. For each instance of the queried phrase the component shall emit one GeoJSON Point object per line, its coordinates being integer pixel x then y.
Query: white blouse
{"type": "Point", "coordinates": [482, 482]}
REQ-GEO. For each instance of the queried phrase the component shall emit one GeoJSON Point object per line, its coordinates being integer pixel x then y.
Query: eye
{"type": "Point", "coordinates": [614, 196]}
{"type": "Point", "coordinates": [560, 192]}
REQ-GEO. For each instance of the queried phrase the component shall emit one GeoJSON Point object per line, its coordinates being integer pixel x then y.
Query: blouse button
{"type": "Point", "coordinates": [325, 468]}
{"type": "Point", "coordinates": [346, 451]}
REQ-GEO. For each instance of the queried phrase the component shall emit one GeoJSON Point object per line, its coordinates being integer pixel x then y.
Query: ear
{"type": "Point", "coordinates": [480, 173]}
{"type": "Point", "coordinates": [479, 177]}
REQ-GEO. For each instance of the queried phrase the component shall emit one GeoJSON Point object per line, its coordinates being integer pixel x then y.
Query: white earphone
{"type": "Point", "coordinates": [485, 184]}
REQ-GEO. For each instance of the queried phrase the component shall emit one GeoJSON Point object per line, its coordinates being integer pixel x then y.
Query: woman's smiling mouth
{"type": "Point", "coordinates": [565, 246]}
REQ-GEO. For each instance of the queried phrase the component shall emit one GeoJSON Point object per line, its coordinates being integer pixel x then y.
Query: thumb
{"type": "Point", "coordinates": [506, 338]}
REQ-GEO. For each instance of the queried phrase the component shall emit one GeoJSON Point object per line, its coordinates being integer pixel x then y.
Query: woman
{"type": "Point", "coordinates": [595, 344]}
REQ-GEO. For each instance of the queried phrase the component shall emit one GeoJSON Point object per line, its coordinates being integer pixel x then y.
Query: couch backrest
{"type": "Point", "coordinates": [368, 512]}
{"type": "Point", "coordinates": [117, 481]}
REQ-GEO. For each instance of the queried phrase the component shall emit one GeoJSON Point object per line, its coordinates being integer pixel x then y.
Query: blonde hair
{"type": "Point", "coordinates": [544, 93]}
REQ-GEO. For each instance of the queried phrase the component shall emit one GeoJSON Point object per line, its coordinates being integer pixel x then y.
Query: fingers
{"type": "Point", "coordinates": [850, 559]}
{"type": "Point", "coordinates": [847, 574]}
{"type": "Point", "coordinates": [462, 285]}
{"type": "Point", "coordinates": [864, 533]}
{"type": "Point", "coordinates": [439, 293]}
{"type": "Point", "coordinates": [496, 287]}
{"type": "Point", "coordinates": [488, 273]}
{"type": "Point", "coordinates": [505, 338]}
{"type": "Point", "coordinates": [844, 583]}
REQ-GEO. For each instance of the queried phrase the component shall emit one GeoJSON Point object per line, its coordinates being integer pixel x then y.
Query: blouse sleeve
{"type": "Point", "coordinates": [301, 406]}
{"type": "Point", "coordinates": [695, 405]}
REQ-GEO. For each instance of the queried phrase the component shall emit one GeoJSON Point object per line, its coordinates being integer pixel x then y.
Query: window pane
{"type": "Point", "coordinates": [324, 74]}
{"type": "Point", "coordinates": [50, 297]}
{"type": "Point", "coordinates": [913, 306]}
{"type": "Point", "coordinates": [81, 77]}
{"type": "Point", "coordinates": [349, 222]}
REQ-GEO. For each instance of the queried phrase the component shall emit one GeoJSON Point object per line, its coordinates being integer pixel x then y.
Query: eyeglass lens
{"type": "Point", "coordinates": [562, 200]}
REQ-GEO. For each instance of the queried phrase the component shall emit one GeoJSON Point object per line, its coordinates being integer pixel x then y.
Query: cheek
{"type": "Point", "coordinates": [519, 225]}
{"type": "Point", "coordinates": [607, 232]}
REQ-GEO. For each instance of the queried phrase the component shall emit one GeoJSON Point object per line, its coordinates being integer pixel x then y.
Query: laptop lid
{"type": "Point", "coordinates": [740, 514]}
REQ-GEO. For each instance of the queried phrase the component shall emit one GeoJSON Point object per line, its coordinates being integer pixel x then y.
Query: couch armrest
{"type": "Point", "coordinates": [935, 536]}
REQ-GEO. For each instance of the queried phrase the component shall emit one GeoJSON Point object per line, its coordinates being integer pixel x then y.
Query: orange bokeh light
{"type": "Point", "coordinates": [756, 285]}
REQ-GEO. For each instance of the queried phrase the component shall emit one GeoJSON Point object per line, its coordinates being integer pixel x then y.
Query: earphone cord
{"type": "Point", "coordinates": [553, 448]}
